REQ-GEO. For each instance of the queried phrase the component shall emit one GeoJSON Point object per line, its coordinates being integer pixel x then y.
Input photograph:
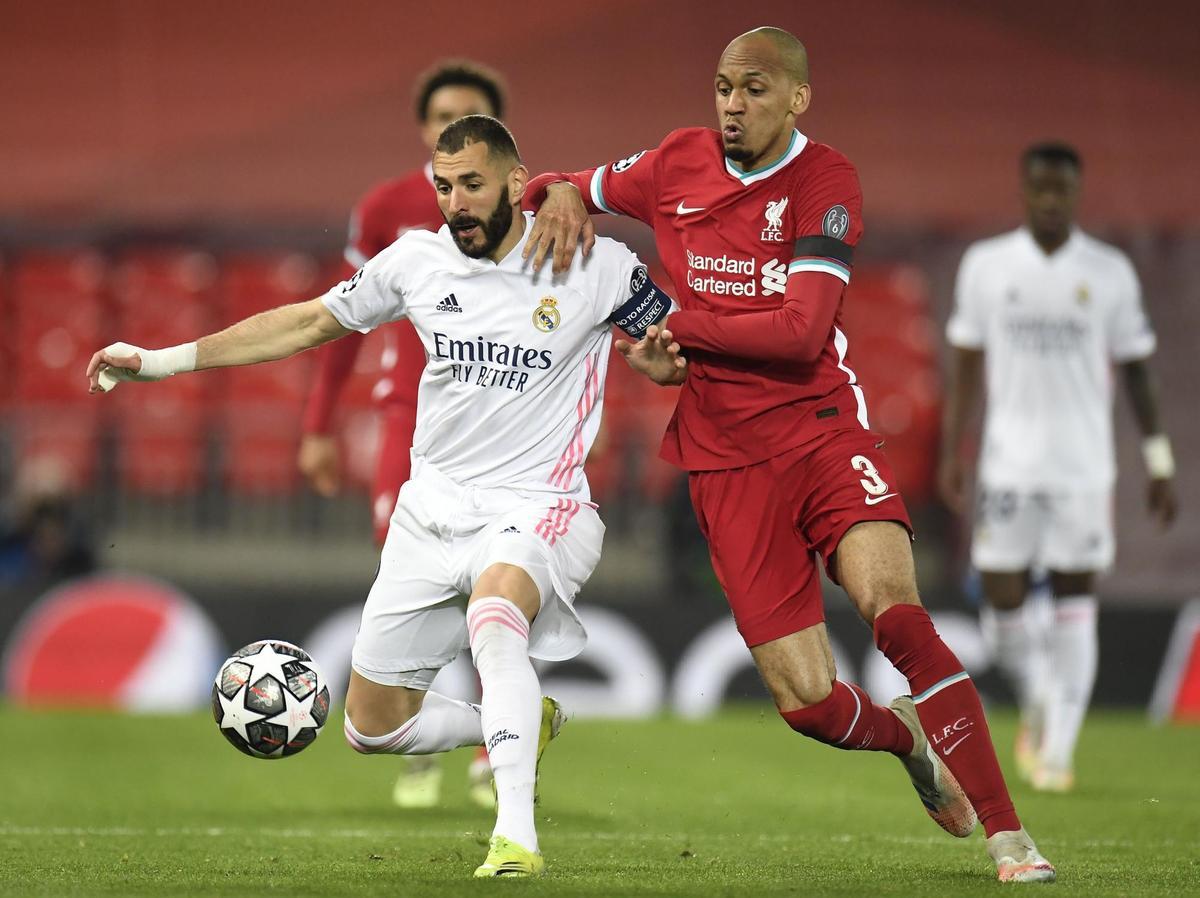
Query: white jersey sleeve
{"type": "Point", "coordinates": [374, 295]}
{"type": "Point", "coordinates": [967, 327]}
{"type": "Point", "coordinates": [1130, 336]}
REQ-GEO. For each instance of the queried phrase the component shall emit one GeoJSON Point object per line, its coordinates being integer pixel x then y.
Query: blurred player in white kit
{"type": "Point", "coordinates": [1041, 314]}
{"type": "Point", "coordinates": [495, 533]}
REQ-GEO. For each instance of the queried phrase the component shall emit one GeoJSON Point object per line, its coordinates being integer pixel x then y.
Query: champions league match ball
{"type": "Point", "coordinates": [270, 699]}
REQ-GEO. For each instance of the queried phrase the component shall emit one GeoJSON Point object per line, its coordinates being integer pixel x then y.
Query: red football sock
{"type": "Point", "coordinates": [847, 719]}
{"type": "Point", "coordinates": [949, 709]}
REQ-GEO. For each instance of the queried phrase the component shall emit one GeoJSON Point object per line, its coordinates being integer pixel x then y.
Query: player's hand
{"type": "Point", "coordinates": [120, 361]}
{"type": "Point", "coordinates": [657, 356]}
{"type": "Point", "coordinates": [1160, 499]}
{"type": "Point", "coordinates": [952, 484]}
{"type": "Point", "coordinates": [319, 463]}
{"type": "Point", "coordinates": [559, 223]}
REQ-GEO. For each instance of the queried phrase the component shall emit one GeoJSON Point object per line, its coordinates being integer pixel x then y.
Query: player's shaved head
{"type": "Point", "coordinates": [771, 46]}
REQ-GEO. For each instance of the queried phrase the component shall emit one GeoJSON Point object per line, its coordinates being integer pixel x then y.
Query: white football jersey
{"type": "Point", "coordinates": [1050, 328]}
{"type": "Point", "coordinates": [513, 385]}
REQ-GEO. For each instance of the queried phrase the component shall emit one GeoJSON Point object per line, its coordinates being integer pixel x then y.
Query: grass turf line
{"type": "Point", "coordinates": [105, 805]}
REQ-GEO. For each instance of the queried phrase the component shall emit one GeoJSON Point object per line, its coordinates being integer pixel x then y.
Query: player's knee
{"type": "Point", "coordinates": [878, 594]}
{"type": "Point", "coordinates": [817, 719]}
{"type": "Point", "coordinates": [368, 734]}
{"type": "Point", "coordinates": [803, 692]}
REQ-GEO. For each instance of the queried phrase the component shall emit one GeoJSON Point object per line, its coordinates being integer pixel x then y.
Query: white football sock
{"type": "Point", "coordinates": [1020, 649]}
{"type": "Point", "coordinates": [440, 725]}
{"type": "Point", "coordinates": [1075, 655]}
{"type": "Point", "coordinates": [511, 711]}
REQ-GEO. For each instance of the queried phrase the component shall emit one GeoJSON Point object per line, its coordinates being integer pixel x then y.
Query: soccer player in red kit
{"type": "Point", "coordinates": [409, 202]}
{"type": "Point", "coordinates": [756, 225]}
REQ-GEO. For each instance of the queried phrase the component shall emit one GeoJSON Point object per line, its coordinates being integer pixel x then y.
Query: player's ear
{"type": "Point", "coordinates": [518, 179]}
{"type": "Point", "coordinates": [801, 97]}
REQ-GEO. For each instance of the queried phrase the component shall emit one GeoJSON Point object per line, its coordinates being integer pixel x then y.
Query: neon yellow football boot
{"type": "Point", "coordinates": [506, 858]}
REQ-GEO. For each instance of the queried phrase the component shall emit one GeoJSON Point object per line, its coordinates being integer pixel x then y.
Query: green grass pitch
{"type": "Point", "coordinates": [94, 804]}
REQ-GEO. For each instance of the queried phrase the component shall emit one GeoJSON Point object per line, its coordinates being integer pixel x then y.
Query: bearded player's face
{"type": "Point", "coordinates": [474, 198]}
{"type": "Point", "coordinates": [757, 103]}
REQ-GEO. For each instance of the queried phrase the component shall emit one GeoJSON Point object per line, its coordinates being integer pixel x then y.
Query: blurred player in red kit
{"type": "Point", "coordinates": [756, 225]}
{"type": "Point", "coordinates": [443, 95]}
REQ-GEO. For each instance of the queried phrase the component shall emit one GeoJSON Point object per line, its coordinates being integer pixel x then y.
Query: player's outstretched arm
{"type": "Point", "coordinates": [966, 379]}
{"type": "Point", "coordinates": [657, 356]}
{"type": "Point", "coordinates": [265, 337]}
{"type": "Point", "coordinates": [1156, 446]}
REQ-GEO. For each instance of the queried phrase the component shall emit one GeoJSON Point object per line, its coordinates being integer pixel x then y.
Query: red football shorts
{"type": "Point", "coordinates": [766, 524]}
{"type": "Point", "coordinates": [397, 423]}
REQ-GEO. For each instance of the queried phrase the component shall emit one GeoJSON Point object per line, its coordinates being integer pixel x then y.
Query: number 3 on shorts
{"type": "Point", "coordinates": [871, 481]}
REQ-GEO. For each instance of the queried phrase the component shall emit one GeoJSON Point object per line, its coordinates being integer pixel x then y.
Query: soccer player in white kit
{"type": "Point", "coordinates": [494, 533]}
{"type": "Point", "coordinates": [1041, 314]}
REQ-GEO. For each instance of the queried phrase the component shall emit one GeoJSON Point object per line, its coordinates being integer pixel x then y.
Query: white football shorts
{"type": "Point", "coordinates": [441, 537]}
{"type": "Point", "coordinates": [1053, 530]}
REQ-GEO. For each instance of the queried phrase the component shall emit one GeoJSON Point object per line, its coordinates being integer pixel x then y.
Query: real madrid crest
{"type": "Point", "coordinates": [1082, 295]}
{"type": "Point", "coordinates": [546, 316]}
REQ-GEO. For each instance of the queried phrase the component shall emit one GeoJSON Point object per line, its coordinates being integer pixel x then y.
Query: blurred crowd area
{"type": "Point", "coordinates": [166, 169]}
{"type": "Point", "coordinates": [196, 477]}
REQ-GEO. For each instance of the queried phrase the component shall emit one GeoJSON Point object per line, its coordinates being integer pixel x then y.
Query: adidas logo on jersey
{"type": "Point", "coordinates": [449, 304]}
{"type": "Point", "coordinates": [510, 529]}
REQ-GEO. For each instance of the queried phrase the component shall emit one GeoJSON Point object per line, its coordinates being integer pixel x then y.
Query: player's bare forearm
{"type": "Point", "coordinates": [1143, 395]}
{"type": "Point", "coordinates": [966, 379]}
{"type": "Point", "coordinates": [1156, 446]}
{"type": "Point", "coordinates": [267, 336]}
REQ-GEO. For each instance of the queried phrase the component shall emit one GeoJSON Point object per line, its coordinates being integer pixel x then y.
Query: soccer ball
{"type": "Point", "coordinates": [270, 699]}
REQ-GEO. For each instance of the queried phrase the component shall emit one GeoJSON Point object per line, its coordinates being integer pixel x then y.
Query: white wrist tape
{"type": "Point", "coordinates": [1160, 460]}
{"type": "Point", "coordinates": [156, 363]}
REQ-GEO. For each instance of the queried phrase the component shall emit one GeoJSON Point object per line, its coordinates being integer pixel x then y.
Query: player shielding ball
{"type": "Point", "coordinates": [1047, 310]}
{"type": "Point", "coordinates": [757, 224]}
{"type": "Point", "coordinates": [446, 93]}
{"type": "Point", "coordinates": [498, 508]}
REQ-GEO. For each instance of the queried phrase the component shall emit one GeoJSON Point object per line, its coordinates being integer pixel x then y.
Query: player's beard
{"type": "Point", "coordinates": [492, 230]}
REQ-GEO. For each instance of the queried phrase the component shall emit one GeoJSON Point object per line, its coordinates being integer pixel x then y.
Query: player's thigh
{"type": "Point", "coordinates": [510, 582]}
{"type": "Point", "coordinates": [798, 669]}
{"type": "Point", "coordinates": [851, 513]}
{"type": "Point", "coordinates": [763, 563]}
{"type": "Point", "coordinates": [413, 618]}
{"type": "Point", "coordinates": [556, 546]}
{"type": "Point", "coordinates": [1079, 538]}
{"type": "Point", "coordinates": [874, 564]}
{"type": "Point", "coordinates": [1008, 530]}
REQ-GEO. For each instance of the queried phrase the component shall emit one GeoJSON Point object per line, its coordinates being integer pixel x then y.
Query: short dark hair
{"type": "Point", "coordinates": [1053, 153]}
{"type": "Point", "coordinates": [479, 129]}
{"type": "Point", "coordinates": [460, 73]}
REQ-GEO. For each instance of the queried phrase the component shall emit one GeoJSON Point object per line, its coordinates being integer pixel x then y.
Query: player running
{"type": "Point", "coordinates": [1048, 309]}
{"type": "Point", "coordinates": [445, 94]}
{"type": "Point", "coordinates": [498, 507]}
{"type": "Point", "coordinates": [757, 224]}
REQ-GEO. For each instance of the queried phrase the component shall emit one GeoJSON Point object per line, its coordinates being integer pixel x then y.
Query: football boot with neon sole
{"type": "Point", "coordinates": [506, 858]}
{"type": "Point", "coordinates": [939, 791]}
{"type": "Point", "coordinates": [419, 784]}
{"type": "Point", "coordinates": [1017, 858]}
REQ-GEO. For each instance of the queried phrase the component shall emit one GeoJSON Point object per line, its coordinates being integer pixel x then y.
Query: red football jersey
{"type": "Point", "coordinates": [387, 211]}
{"type": "Point", "coordinates": [731, 241]}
